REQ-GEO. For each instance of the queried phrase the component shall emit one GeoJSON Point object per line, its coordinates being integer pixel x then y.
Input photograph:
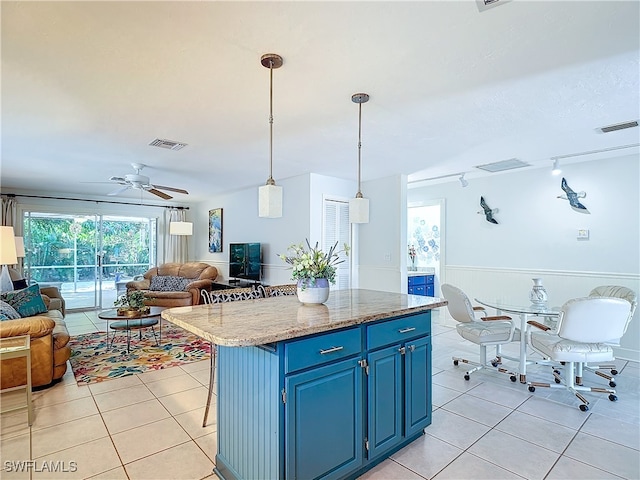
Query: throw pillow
{"type": "Point", "coordinates": [19, 284]}
{"type": "Point", "coordinates": [27, 302]}
{"type": "Point", "coordinates": [7, 312]}
{"type": "Point", "coordinates": [169, 283]}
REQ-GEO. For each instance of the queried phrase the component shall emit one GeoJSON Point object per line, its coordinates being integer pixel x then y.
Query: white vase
{"type": "Point", "coordinates": [538, 294]}
{"type": "Point", "coordinates": [313, 290]}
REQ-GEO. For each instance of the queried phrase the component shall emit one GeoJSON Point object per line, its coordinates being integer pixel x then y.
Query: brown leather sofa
{"type": "Point", "coordinates": [49, 344]}
{"type": "Point", "coordinates": [201, 274]}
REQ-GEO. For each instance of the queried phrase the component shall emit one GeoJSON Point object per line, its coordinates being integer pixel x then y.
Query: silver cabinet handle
{"type": "Point", "coordinates": [330, 350]}
{"type": "Point", "coordinates": [406, 330]}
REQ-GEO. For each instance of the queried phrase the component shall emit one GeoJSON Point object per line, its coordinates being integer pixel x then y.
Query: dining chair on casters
{"type": "Point", "coordinates": [617, 292]}
{"type": "Point", "coordinates": [486, 331]}
{"type": "Point", "coordinates": [580, 338]}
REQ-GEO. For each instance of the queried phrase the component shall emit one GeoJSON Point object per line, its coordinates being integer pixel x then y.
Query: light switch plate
{"type": "Point", "coordinates": [583, 234]}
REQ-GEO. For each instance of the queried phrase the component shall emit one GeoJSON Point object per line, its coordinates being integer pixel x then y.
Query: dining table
{"type": "Point", "coordinates": [548, 315]}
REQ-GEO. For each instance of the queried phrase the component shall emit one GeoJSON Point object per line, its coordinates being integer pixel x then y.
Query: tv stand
{"type": "Point", "coordinates": [234, 283]}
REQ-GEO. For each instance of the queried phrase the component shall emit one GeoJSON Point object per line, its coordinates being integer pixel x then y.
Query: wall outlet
{"type": "Point", "coordinates": [583, 234]}
{"type": "Point", "coordinates": [387, 257]}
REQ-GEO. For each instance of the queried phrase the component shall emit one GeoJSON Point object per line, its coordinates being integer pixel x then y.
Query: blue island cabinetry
{"type": "Point", "coordinates": [328, 406]}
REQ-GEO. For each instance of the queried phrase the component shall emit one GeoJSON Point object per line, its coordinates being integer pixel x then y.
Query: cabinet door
{"type": "Point", "coordinates": [384, 387]}
{"type": "Point", "coordinates": [324, 421]}
{"type": "Point", "coordinates": [417, 385]}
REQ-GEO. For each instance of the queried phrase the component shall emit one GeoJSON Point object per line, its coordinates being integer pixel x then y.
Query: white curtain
{"type": "Point", "coordinates": [176, 246]}
{"type": "Point", "coordinates": [9, 211]}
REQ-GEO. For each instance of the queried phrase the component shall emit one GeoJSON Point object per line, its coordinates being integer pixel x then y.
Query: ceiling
{"type": "Point", "coordinates": [86, 86]}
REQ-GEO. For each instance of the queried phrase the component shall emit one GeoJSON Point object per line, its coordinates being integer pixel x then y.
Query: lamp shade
{"type": "Point", "coordinates": [7, 247]}
{"type": "Point", "coordinates": [270, 201]}
{"type": "Point", "coordinates": [181, 228]}
{"type": "Point", "coordinates": [359, 210]}
{"type": "Point", "coordinates": [20, 253]}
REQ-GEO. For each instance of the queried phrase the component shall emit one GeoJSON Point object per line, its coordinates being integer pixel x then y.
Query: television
{"type": "Point", "coordinates": [245, 261]}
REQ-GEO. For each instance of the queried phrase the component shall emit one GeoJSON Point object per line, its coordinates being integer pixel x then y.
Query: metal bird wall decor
{"type": "Point", "coordinates": [488, 212]}
{"type": "Point", "coordinates": [573, 197]}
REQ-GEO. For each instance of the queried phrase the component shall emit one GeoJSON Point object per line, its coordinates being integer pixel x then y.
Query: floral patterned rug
{"type": "Point", "coordinates": [91, 362]}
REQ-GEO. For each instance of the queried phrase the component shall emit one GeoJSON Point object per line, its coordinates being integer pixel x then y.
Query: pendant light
{"type": "Point", "coordinates": [270, 195]}
{"type": "Point", "coordinates": [359, 206]}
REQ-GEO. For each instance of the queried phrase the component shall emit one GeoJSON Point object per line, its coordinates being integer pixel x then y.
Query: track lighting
{"type": "Point", "coordinates": [463, 182]}
{"type": "Point", "coordinates": [556, 167]}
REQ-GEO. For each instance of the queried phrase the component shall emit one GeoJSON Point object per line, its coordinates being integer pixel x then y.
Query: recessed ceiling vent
{"type": "Point", "coordinates": [619, 126]}
{"type": "Point", "coordinates": [502, 165]}
{"type": "Point", "coordinates": [168, 144]}
{"type": "Point", "coordinates": [487, 4]}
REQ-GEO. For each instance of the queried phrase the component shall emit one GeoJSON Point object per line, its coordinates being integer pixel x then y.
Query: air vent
{"type": "Point", "coordinates": [168, 144]}
{"type": "Point", "coordinates": [487, 4]}
{"type": "Point", "coordinates": [502, 165]}
{"type": "Point", "coordinates": [619, 126]}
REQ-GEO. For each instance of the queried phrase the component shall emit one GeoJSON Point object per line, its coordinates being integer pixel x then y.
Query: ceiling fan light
{"type": "Point", "coordinates": [359, 210]}
{"type": "Point", "coordinates": [180, 228]}
{"type": "Point", "coordinates": [270, 201]}
{"type": "Point", "coordinates": [556, 168]}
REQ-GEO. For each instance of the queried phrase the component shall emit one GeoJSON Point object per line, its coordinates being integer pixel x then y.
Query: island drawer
{"type": "Point", "coordinates": [321, 349]}
{"type": "Point", "coordinates": [398, 330]}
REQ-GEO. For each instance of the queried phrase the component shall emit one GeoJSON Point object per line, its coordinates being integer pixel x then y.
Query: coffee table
{"type": "Point", "coordinates": [138, 322]}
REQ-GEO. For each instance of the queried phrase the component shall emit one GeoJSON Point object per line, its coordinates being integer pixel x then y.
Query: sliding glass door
{"type": "Point", "coordinates": [89, 257]}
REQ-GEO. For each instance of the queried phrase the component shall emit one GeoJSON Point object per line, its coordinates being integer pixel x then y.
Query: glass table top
{"type": "Point", "coordinates": [530, 309]}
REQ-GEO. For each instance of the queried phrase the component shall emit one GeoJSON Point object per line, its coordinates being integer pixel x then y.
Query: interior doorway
{"type": "Point", "coordinates": [424, 224]}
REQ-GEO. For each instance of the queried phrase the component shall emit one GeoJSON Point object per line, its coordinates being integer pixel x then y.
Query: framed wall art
{"type": "Point", "coordinates": [215, 230]}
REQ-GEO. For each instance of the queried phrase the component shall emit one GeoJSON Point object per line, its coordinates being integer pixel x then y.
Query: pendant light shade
{"type": "Point", "coordinates": [359, 206]}
{"type": "Point", "coordinates": [270, 195]}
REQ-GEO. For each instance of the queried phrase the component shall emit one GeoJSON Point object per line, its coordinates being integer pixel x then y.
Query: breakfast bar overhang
{"type": "Point", "coordinates": [316, 391]}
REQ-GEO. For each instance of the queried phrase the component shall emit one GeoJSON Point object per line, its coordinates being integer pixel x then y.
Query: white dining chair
{"type": "Point", "coordinates": [484, 331]}
{"type": "Point", "coordinates": [581, 337]}
{"type": "Point", "coordinates": [615, 291]}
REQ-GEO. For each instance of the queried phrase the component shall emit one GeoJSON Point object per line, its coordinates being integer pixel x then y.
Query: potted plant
{"type": "Point", "coordinates": [314, 270]}
{"type": "Point", "coordinates": [131, 303]}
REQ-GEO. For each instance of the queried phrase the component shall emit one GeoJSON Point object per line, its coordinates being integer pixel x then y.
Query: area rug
{"type": "Point", "coordinates": [91, 362]}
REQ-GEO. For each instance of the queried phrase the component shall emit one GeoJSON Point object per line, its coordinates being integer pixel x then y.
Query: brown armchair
{"type": "Point", "coordinates": [201, 275]}
{"type": "Point", "coordinates": [50, 348]}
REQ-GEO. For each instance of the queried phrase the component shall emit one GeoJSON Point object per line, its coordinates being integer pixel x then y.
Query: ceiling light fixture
{"type": "Point", "coordinates": [556, 167]}
{"type": "Point", "coordinates": [359, 206]}
{"type": "Point", "coordinates": [463, 182]}
{"type": "Point", "coordinates": [270, 195]}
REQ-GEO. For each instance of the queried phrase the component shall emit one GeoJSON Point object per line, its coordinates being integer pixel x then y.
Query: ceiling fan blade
{"type": "Point", "coordinates": [159, 193]}
{"type": "Point", "coordinates": [117, 179]}
{"type": "Point", "coordinates": [171, 189]}
{"type": "Point", "coordinates": [118, 191]}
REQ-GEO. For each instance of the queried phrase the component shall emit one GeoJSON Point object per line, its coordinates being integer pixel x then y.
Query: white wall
{"type": "Point", "coordinates": [382, 241]}
{"type": "Point", "coordinates": [537, 234]}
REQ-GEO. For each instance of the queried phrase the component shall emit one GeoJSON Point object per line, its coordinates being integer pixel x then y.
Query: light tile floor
{"type": "Point", "coordinates": [149, 426]}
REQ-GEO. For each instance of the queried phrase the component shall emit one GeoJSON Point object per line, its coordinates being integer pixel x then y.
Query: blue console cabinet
{"type": "Point", "coordinates": [421, 285]}
{"type": "Point", "coordinates": [328, 406]}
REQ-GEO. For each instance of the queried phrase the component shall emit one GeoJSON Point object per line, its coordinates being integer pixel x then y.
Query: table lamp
{"type": "Point", "coordinates": [8, 256]}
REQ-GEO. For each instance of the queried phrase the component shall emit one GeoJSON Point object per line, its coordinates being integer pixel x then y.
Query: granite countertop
{"type": "Point", "coordinates": [267, 320]}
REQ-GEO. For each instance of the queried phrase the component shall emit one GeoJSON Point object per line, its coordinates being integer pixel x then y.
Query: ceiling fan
{"type": "Point", "coordinates": [142, 182]}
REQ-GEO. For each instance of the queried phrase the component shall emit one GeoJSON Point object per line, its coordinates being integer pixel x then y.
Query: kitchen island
{"type": "Point", "coordinates": [316, 391]}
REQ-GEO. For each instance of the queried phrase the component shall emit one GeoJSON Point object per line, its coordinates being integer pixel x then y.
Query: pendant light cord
{"type": "Point", "coordinates": [359, 193]}
{"type": "Point", "coordinates": [270, 180]}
